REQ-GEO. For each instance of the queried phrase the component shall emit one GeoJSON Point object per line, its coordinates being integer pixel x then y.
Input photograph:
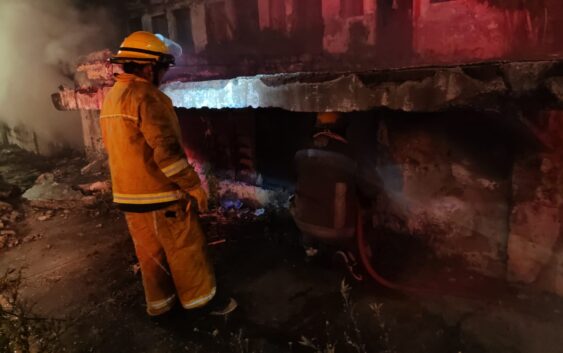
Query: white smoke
{"type": "Point", "coordinates": [40, 41]}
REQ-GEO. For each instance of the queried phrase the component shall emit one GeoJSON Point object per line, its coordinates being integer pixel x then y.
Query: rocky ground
{"type": "Point", "coordinates": [79, 290]}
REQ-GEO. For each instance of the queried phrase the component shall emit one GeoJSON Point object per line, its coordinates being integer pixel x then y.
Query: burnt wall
{"type": "Point", "coordinates": [254, 146]}
{"type": "Point", "coordinates": [220, 142]}
{"type": "Point", "coordinates": [227, 38]}
{"type": "Point", "coordinates": [446, 179]}
{"type": "Point", "coordinates": [472, 187]}
{"type": "Point", "coordinates": [535, 248]}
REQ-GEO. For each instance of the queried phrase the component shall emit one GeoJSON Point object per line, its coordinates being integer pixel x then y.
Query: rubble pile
{"type": "Point", "coordinates": [97, 167]}
{"type": "Point", "coordinates": [38, 189]}
{"type": "Point", "coordinates": [47, 193]}
{"type": "Point", "coordinates": [236, 217]}
{"type": "Point", "coordinates": [70, 185]}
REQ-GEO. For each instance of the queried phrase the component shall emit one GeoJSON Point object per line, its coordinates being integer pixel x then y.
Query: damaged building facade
{"type": "Point", "coordinates": [455, 110]}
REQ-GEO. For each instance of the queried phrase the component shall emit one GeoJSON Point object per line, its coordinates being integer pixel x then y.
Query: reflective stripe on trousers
{"type": "Point", "coordinates": [146, 199]}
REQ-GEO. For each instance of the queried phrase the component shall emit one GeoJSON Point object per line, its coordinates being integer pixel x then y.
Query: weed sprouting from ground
{"type": "Point", "coordinates": [317, 347]}
{"type": "Point", "coordinates": [355, 339]}
{"type": "Point", "coordinates": [376, 310]}
{"type": "Point", "coordinates": [20, 330]}
{"type": "Point", "coordinates": [352, 336]}
{"type": "Point", "coordinates": [239, 343]}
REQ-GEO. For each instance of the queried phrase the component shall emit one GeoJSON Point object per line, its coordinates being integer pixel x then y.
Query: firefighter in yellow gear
{"type": "Point", "coordinates": [153, 182]}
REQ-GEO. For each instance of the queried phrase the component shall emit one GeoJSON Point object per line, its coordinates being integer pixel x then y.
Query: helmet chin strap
{"type": "Point", "coordinates": [155, 80]}
{"type": "Point", "coordinates": [157, 68]}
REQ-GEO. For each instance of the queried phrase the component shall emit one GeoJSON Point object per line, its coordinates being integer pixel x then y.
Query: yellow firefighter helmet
{"type": "Point", "coordinates": [143, 47]}
{"type": "Point", "coordinates": [327, 118]}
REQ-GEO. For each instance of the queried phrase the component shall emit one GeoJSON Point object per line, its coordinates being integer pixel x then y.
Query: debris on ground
{"type": "Point", "coordinates": [46, 216]}
{"type": "Point", "coordinates": [51, 187]}
{"type": "Point", "coordinates": [7, 190]}
{"type": "Point", "coordinates": [8, 222]}
{"type": "Point", "coordinates": [96, 167]}
{"type": "Point", "coordinates": [4, 206]}
{"type": "Point", "coordinates": [47, 193]}
{"type": "Point", "coordinates": [97, 186]}
{"type": "Point", "coordinates": [21, 330]}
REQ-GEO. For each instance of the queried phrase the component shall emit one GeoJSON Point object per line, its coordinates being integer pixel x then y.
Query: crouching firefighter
{"type": "Point", "coordinates": [154, 184]}
{"type": "Point", "coordinates": [325, 206]}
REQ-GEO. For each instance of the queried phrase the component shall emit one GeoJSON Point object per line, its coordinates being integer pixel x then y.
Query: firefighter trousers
{"type": "Point", "coordinates": [172, 253]}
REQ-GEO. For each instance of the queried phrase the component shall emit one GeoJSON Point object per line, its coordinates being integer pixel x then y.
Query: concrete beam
{"type": "Point", "coordinates": [485, 87]}
{"type": "Point", "coordinates": [438, 90]}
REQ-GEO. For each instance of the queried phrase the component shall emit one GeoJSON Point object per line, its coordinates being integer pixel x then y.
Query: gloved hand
{"type": "Point", "coordinates": [200, 196]}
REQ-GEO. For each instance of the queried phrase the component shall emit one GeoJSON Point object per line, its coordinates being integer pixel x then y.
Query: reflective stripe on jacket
{"type": "Point", "coordinates": [141, 133]}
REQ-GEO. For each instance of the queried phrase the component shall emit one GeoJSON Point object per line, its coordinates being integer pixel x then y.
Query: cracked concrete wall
{"type": "Point", "coordinates": [93, 144]}
{"type": "Point", "coordinates": [93, 77]}
{"type": "Point", "coordinates": [481, 195]}
{"type": "Point", "coordinates": [447, 182]}
{"type": "Point", "coordinates": [535, 251]}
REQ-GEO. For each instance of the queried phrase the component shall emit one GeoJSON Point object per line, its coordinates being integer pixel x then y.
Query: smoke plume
{"type": "Point", "coordinates": [40, 42]}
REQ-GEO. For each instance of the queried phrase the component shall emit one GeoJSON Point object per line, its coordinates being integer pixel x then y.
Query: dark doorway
{"type": "Point", "coordinates": [309, 25]}
{"type": "Point", "coordinates": [394, 31]}
{"type": "Point", "coordinates": [184, 29]}
{"type": "Point", "coordinates": [160, 25]}
{"type": "Point", "coordinates": [248, 19]}
{"type": "Point", "coordinates": [217, 22]}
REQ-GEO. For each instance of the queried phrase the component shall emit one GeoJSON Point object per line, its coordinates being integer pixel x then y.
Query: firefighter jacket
{"type": "Point", "coordinates": [141, 133]}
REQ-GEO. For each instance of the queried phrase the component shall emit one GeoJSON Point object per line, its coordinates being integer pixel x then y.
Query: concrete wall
{"type": "Point", "coordinates": [93, 144]}
{"type": "Point", "coordinates": [471, 188]}
{"type": "Point", "coordinates": [471, 29]}
{"type": "Point", "coordinates": [535, 251]}
{"type": "Point", "coordinates": [446, 180]}
{"type": "Point", "coordinates": [245, 37]}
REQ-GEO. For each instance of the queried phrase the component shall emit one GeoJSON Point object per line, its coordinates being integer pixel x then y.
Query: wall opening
{"type": "Point", "coordinates": [217, 23]}
{"type": "Point", "coordinates": [395, 30]}
{"type": "Point", "coordinates": [184, 29]}
{"type": "Point", "coordinates": [160, 25]}
{"type": "Point", "coordinates": [135, 24]}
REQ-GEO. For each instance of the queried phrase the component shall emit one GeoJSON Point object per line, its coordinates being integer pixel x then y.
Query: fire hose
{"type": "Point", "coordinates": [365, 259]}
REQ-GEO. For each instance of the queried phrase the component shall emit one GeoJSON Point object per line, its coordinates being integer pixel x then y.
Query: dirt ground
{"type": "Point", "coordinates": [78, 266]}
